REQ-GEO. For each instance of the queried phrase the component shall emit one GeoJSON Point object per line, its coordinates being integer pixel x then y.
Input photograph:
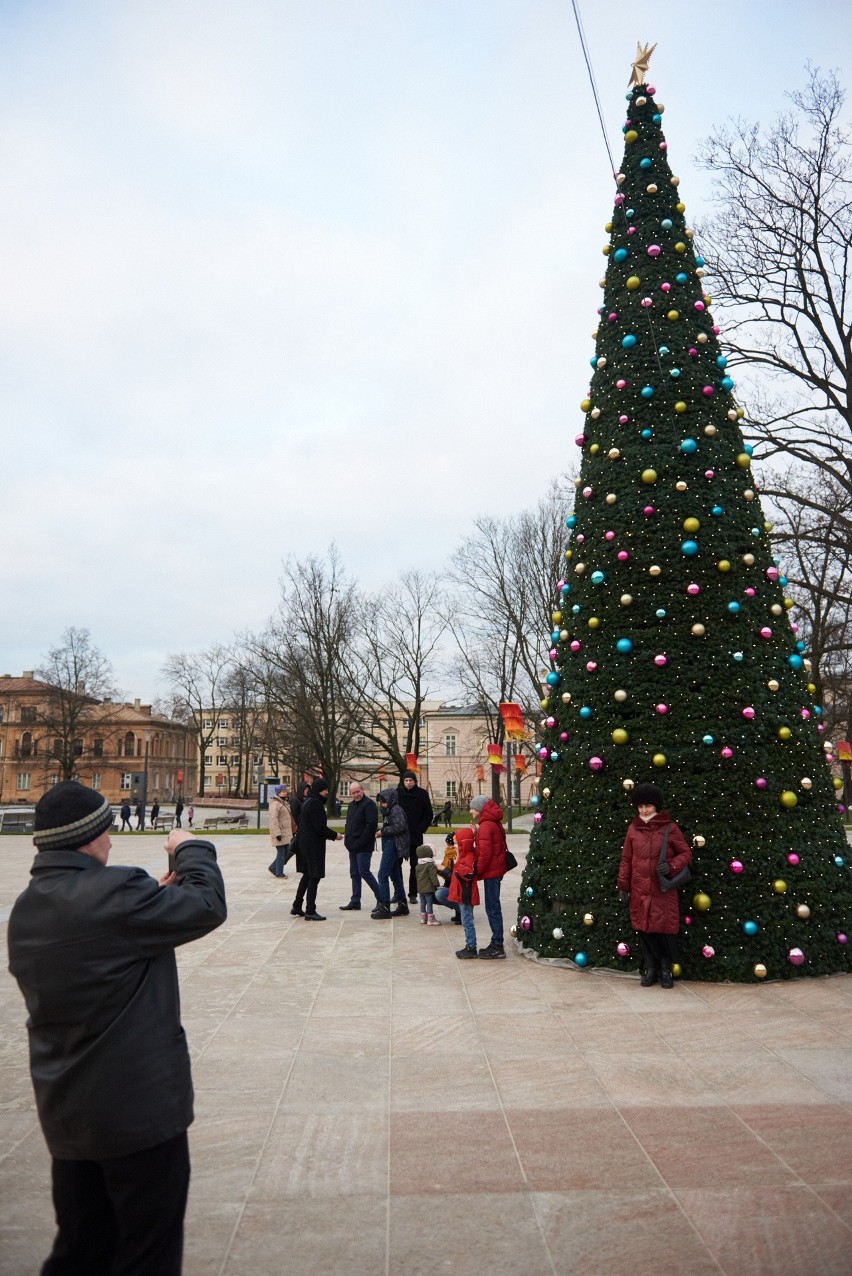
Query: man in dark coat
{"type": "Point", "coordinates": [140, 817]}
{"type": "Point", "coordinates": [92, 949]}
{"type": "Point", "coordinates": [418, 811]}
{"type": "Point", "coordinates": [310, 850]}
{"type": "Point", "coordinates": [125, 817]}
{"type": "Point", "coordinates": [178, 812]}
{"type": "Point", "coordinates": [359, 838]}
{"type": "Point", "coordinates": [155, 814]}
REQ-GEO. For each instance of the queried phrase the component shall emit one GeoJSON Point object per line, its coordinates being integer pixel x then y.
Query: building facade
{"type": "Point", "coordinates": [115, 746]}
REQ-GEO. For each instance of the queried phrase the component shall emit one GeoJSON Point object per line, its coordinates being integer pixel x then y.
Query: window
{"type": "Point", "coordinates": [125, 780]}
{"type": "Point", "coordinates": [208, 759]}
{"type": "Point", "coordinates": [344, 788]}
{"type": "Point", "coordinates": [235, 760]}
{"type": "Point", "coordinates": [208, 722]}
{"type": "Point", "coordinates": [54, 780]}
{"type": "Point", "coordinates": [223, 722]}
{"type": "Point", "coordinates": [78, 748]}
{"type": "Point", "coordinates": [450, 751]}
{"type": "Point", "coordinates": [96, 779]}
{"type": "Point", "coordinates": [26, 746]}
{"type": "Point", "coordinates": [222, 740]}
{"type": "Point", "coordinates": [98, 748]}
{"type": "Point", "coordinates": [22, 781]}
{"type": "Point", "coordinates": [451, 789]}
{"type": "Point", "coordinates": [1, 715]}
{"type": "Point", "coordinates": [129, 742]}
{"type": "Point", "coordinates": [28, 717]}
{"type": "Point", "coordinates": [221, 759]}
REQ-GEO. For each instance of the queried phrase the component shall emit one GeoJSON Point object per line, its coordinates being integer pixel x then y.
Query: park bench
{"type": "Point", "coordinates": [232, 821]}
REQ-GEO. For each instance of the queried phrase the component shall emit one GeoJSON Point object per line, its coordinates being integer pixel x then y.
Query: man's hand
{"type": "Point", "coordinates": [168, 879]}
{"type": "Point", "coordinates": [176, 837]}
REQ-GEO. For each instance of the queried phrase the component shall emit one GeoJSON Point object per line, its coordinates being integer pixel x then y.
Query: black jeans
{"type": "Point", "coordinates": [122, 1216]}
{"type": "Point", "coordinates": [306, 892]}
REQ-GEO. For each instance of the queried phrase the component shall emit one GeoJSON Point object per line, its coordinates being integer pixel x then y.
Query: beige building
{"type": "Point", "coordinates": [113, 746]}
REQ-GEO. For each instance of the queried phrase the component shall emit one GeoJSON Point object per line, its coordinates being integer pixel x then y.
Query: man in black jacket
{"type": "Point", "coordinates": [418, 811]}
{"type": "Point", "coordinates": [92, 949]}
{"type": "Point", "coordinates": [310, 850]}
{"type": "Point", "coordinates": [359, 838]}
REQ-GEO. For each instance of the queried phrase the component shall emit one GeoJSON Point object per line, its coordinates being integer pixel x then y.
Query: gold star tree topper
{"type": "Point", "coordinates": [640, 64]}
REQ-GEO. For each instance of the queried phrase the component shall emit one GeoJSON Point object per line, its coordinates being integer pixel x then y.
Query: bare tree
{"type": "Point", "coordinates": [818, 564]}
{"type": "Point", "coordinates": [779, 252]}
{"type": "Point", "coordinates": [79, 677]}
{"type": "Point", "coordinates": [394, 662]}
{"type": "Point", "coordinates": [199, 686]}
{"type": "Point", "coordinates": [304, 661]}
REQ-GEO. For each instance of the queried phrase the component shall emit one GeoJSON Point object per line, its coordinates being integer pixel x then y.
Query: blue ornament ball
{"type": "Point", "coordinates": [585, 712]}
{"type": "Point", "coordinates": [666, 223]}
{"type": "Point", "coordinates": [689, 548]}
{"type": "Point", "coordinates": [750, 928]}
{"type": "Point", "coordinates": [839, 861]}
{"type": "Point", "coordinates": [680, 277]}
{"type": "Point", "coordinates": [664, 350]}
{"type": "Point", "coordinates": [795, 661]}
{"type": "Point", "coordinates": [647, 392]}
{"type": "Point", "coordinates": [660, 613]}
{"type": "Point", "coordinates": [581, 959]}
{"type": "Point", "coordinates": [554, 757]}
{"type": "Point", "coordinates": [629, 341]}
{"type": "Point", "coordinates": [726, 383]}
{"type": "Point", "coordinates": [621, 254]}
{"type": "Point", "coordinates": [597, 578]}
{"type": "Point", "coordinates": [571, 520]}
{"type": "Point", "coordinates": [721, 361]}
{"type": "Point", "coordinates": [688, 446]}
{"type": "Point", "coordinates": [645, 163]}
{"type": "Point", "coordinates": [646, 433]}
{"type": "Point", "coordinates": [738, 656]}
{"type": "Point", "coordinates": [699, 261]}
{"type": "Point", "coordinates": [717, 511]}
{"type": "Point", "coordinates": [733, 608]}
{"type": "Point", "coordinates": [552, 678]}
{"type": "Point", "coordinates": [534, 800]}
{"type": "Point", "coordinates": [707, 739]}
{"type": "Point", "coordinates": [624, 645]}
{"type": "Point", "coordinates": [529, 892]}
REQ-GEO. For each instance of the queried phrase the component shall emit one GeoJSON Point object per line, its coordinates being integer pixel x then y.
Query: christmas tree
{"type": "Point", "coordinates": [673, 657]}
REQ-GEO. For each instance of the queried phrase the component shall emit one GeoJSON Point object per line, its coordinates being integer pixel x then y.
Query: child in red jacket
{"type": "Point", "coordinates": [490, 849]}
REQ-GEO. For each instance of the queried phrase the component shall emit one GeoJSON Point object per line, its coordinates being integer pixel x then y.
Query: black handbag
{"type": "Point", "coordinates": [511, 862]}
{"type": "Point", "coordinates": [679, 879]}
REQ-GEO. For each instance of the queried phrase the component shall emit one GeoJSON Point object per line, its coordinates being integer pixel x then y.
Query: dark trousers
{"type": "Point", "coordinates": [359, 869]}
{"type": "Point", "coordinates": [659, 950]}
{"type": "Point", "coordinates": [390, 870]}
{"type": "Point", "coordinates": [306, 892]}
{"type": "Point", "coordinates": [122, 1216]}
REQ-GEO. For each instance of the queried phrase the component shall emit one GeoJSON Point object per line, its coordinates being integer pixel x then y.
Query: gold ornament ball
{"type": "Point", "coordinates": [677, 969]}
{"type": "Point", "coordinates": [544, 703]}
{"type": "Point", "coordinates": [680, 246]}
{"type": "Point", "coordinates": [606, 250]}
{"type": "Point", "coordinates": [760, 971]}
{"type": "Point", "coordinates": [513, 930]}
{"type": "Point", "coordinates": [680, 406]}
{"type": "Point", "coordinates": [627, 785]}
{"type": "Point", "coordinates": [806, 782]}
{"type": "Point", "coordinates": [837, 782]}
{"type": "Point", "coordinates": [788, 603]}
{"type": "Point", "coordinates": [710, 431]}
{"type": "Point", "coordinates": [545, 793]}
{"type": "Point", "coordinates": [772, 684]}
{"type": "Point", "coordinates": [743, 460]}
{"type": "Point", "coordinates": [789, 799]}
{"type": "Point", "coordinates": [680, 207]}
{"type": "Point", "coordinates": [659, 759]}
{"type": "Point", "coordinates": [588, 919]}
{"type": "Point", "coordinates": [595, 413]}
{"type": "Point", "coordinates": [579, 568]}
{"type": "Point", "coordinates": [611, 498]}
{"type": "Point", "coordinates": [779, 886]}
{"type": "Point", "coordinates": [620, 736]}
{"type": "Point", "coordinates": [633, 283]}
{"type": "Point", "coordinates": [596, 447]}
{"type": "Point", "coordinates": [680, 485]}
{"type": "Point", "coordinates": [594, 622]}
{"type": "Point", "coordinates": [776, 609]}
{"type": "Point", "coordinates": [585, 404]}
{"type": "Point", "coordinates": [803, 911]}
{"type": "Point", "coordinates": [620, 696]}
{"type": "Point", "coordinates": [784, 733]}
{"type": "Point", "coordinates": [652, 188]}
{"type": "Point", "coordinates": [566, 697]}
{"type": "Point", "coordinates": [748, 494]}
{"type": "Point", "coordinates": [698, 840]}
{"type": "Point", "coordinates": [556, 617]}
{"type": "Point", "coordinates": [724, 565]}
{"type": "Point", "coordinates": [631, 135]}
{"type": "Point", "coordinates": [626, 600]}
{"type": "Point", "coordinates": [649, 476]}
{"type": "Point", "coordinates": [563, 635]}
{"type": "Point", "coordinates": [608, 227]}
{"type": "Point", "coordinates": [748, 559]}
{"type": "Point", "coordinates": [699, 631]}
{"type": "Point", "coordinates": [691, 524]}
{"type": "Point", "coordinates": [654, 570]}
{"type": "Point", "coordinates": [701, 901]}
{"type": "Point", "coordinates": [702, 338]}
{"type": "Point", "coordinates": [811, 688]}
{"type": "Point", "coordinates": [673, 315]}
{"type": "Point", "coordinates": [613, 454]}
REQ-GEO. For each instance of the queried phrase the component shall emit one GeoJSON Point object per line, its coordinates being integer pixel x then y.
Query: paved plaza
{"type": "Point", "coordinates": [366, 1104]}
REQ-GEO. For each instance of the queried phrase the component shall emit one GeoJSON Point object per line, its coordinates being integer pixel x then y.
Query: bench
{"type": "Point", "coordinates": [212, 821]}
{"type": "Point", "coordinates": [163, 822]}
{"type": "Point", "coordinates": [230, 821]}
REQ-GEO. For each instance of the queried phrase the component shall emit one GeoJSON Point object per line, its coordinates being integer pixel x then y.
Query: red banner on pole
{"type": "Point", "coordinates": [411, 761]}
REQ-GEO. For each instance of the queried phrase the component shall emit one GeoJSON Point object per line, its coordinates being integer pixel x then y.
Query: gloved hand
{"type": "Point", "coordinates": [664, 870]}
{"type": "Point", "coordinates": [623, 896]}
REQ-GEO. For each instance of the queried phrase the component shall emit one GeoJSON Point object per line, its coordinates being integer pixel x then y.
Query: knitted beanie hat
{"type": "Point", "coordinates": [478, 803]}
{"type": "Point", "coordinates": [70, 815]}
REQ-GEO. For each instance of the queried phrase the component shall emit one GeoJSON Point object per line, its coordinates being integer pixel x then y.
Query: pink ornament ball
{"type": "Point", "coordinates": [806, 713]}
{"type": "Point", "coordinates": [596, 763]}
{"type": "Point", "coordinates": [796, 957]}
{"type": "Point", "coordinates": [620, 383]}
{"type": "Point", "coordinates": [580, 440]}
{"type": "Point", "coordinates": [610, 536]}
{"type": "Point", "coordinates": [661, 661]}
{"type": "Point", "coordinates": [631, 230]}
{"type": "Point", "coordinates": [748, 713]}
{"type": "Point", "coordinates": [537, 817]}
{"type": "Point", "coordinates": [829, 757]}
{"type": "Point", "coordinates": [693, 589]}
{"type": "Point", "coordinates": [736, 866]}
{"type": "Point", "coordinates": [709, 474]}
{"type": "Point", "coordinates": [707, 391]}
{"type": "Point", "coordinates": [648, 511]}
{"type": "Point", "coordinates": [542, 753]}
{"type": "Point", "coordinates": [622, 555]}
{"type": "Point", "coordinates": [665, 287]}
{"type": "Point", "coordinates": [699, 306]}
{"type": "Point", "coordinates": [651, 90]}
{"type": "Point", "coordinates": [766, 632]}
{"type": "Point", "coordinates": [576, 645]}
{"type": "Point", "coordinates": [772, 573]}
{"type": "Point", "coordinates": [687, 921]}
{"type": "Point", "coordinates": [708, 951]}
{"type": "Point", "coordinates": [664, 146]}
{"type": "Point", "coordinates": [580, 537]}
{"type": "Point", "coordinates": [654, 250]}
{"type": "Point", "coordinates": [619, 199]}
{"type": "Point", "coordinates": [662, 708]}
{"type": "Point", "coordinates": [646, 302]}
{"type": "Point", "coordinates": [750, 592]}
{"type": "Point", "coordinates": [792, 858]}
{"type": "Point", "coordinates": [841, 938]}
{"type": "Point", "coordinates": [525, 923]}
{"type": "Point", "coordinates": [693, 352]}
{"type": "Point", "coordinates": [760, 782]}
{"type": "Point", "coordinates": [563, 736]}
{"type": "Point", "coordinates": [587, 492]}
{"type": "Point", "coordinates": [591, 665]}
{"type": "Point", "coordinates": [727, 752]}
{"type": "Point", "coordinates": [553, 653]}
{"type": "Point", "coordinates": [550, 722]}
{"type": "Point", "coordinates": [623, 949]}
{"type": "Point", "coordinates": [622, 420]}
{"type": "Point", "coordinates": [716, 329]}
{"type": "Point", "coordinates": [612, 316]}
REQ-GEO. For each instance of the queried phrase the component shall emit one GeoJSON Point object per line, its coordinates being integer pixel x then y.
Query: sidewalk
{"type": "Point", "coordinates": [367, 1105]}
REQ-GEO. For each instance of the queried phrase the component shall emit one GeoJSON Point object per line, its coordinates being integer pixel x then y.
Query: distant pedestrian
{"type": "Point", "coordinates": [155, 812]}
{"type": "Point", "coordinates": [653, 912]}
{"type": "Point", "coordinates": [190, 814]}
{"type": "Point", "coordinates": [280, 828]}
{"type": "Point", "coordinates": [418, 812]}
{"type": "Point", "coordinates": [395, 844]}
{"type": "Point", "coordinates": [310, 854]}
{"type": "Point", "coordinates": [140, 817]}
{"type": "Point", "coordinates": [428, 882]}
{"type": "Point", "coordinates": [447, 814]}
{"type": "Point", "coordinates": [298, 798]}
{"type": "Point", "coordinates": [125, 817]}
{"type": "Point", "coordinates": [178, 812]}
{"type": "Point", "coordinates": [359, 838]}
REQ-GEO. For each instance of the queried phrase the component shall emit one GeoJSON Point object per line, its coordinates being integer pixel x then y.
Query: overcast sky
{"type": "Point", "coordinates": [280, 272]}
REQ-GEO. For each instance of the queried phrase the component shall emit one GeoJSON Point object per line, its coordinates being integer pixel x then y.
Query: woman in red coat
{"type": "Point", "coordinates": [655, 914]}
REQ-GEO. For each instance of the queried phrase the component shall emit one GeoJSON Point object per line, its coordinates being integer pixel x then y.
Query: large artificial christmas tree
{"type": "Point", "coordinates": [673, 659]}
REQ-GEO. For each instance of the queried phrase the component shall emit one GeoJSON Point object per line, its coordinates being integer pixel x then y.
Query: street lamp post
{"type": "Point", "coordinates": [143, 796]}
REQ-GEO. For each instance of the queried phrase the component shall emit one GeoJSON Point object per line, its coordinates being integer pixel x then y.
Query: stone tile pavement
{"type": "Point", "coordinates": [366, 1104]}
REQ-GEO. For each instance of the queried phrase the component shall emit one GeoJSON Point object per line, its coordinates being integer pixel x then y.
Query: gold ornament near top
{"type": "Point", "coordinates": [639, 70]}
